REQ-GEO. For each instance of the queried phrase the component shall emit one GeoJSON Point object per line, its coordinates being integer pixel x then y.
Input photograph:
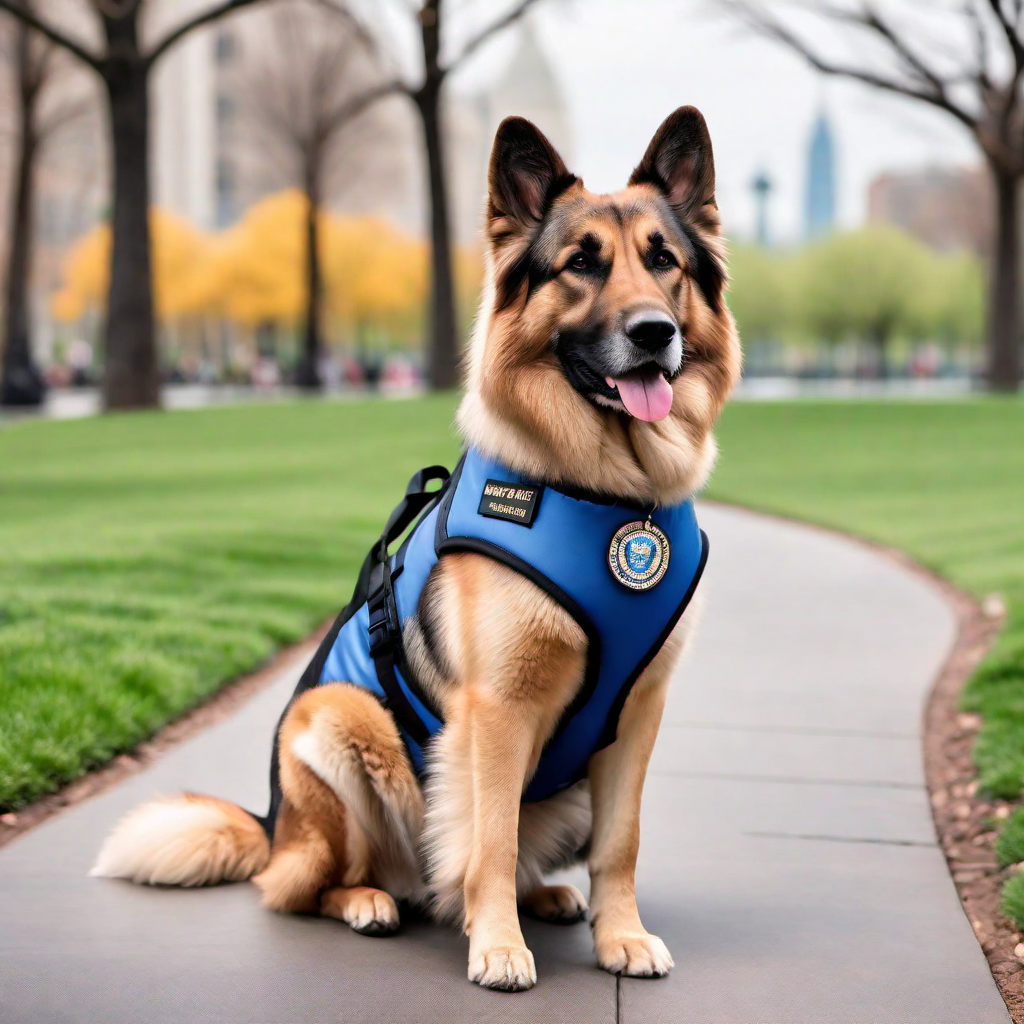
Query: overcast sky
{"type": "Point", "coordinates": [625, 64]}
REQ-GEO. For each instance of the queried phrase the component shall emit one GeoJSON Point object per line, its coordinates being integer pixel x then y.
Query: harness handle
{"type": "Point", "coordinates": [416, 499]}
{"type": "Point", "coordinates": [385, 629]}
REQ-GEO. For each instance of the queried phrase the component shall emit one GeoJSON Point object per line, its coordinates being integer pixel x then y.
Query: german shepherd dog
{"type": "Point", "coordinates": [602, 357]}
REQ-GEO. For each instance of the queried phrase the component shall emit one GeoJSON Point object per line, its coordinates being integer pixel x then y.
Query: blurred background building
{"type": "Point", "coordinates": [947, 208]}
{"type": "Point", "coordinates": [820, 197]}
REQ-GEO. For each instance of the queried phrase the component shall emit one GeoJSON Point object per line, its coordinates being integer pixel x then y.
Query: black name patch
{"type": "Point", "coordinates": [516, 503]}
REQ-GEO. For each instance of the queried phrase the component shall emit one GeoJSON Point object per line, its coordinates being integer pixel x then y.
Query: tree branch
{"type": "Point", "coordinates": [973, 15]}
{"type": "Point", "coordinates": [357, 104]}
{"type": "Point", "coordinates": [1010, 31]}
{"type": "Point", "coordinates": [937, 97]}
{"type": "Point", "coordinates": [15, 8]}
{"type": "Point", "coordinates": [869, 18]}
{"type": "Point", "coordinates": [60, 118]}
{"type": "Point", "coordinates": [478, 40]}
{"type": "Point", "coordinates": [177, 34]}
{"type": "Point", "coordinates": [356, 25]}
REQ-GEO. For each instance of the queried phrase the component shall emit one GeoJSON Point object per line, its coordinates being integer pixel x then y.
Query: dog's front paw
{"type": "Point", "coordinates": [638, 956]}
{"type": "Point", "coordinates": [508, 968]}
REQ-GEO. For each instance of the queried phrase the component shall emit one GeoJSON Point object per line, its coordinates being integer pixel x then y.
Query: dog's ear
{"type": "Point", "coordinates": [679, 161]}
{"type": "Point", "coordinates": [526, 174]}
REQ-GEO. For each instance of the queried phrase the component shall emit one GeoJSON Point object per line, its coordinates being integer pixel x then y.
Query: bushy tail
{"type": "Point", "coordinates": [184, 840]}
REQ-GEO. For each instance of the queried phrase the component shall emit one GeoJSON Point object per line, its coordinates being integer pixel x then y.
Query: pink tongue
{"type": "Point", "coordinates": [647, 397]}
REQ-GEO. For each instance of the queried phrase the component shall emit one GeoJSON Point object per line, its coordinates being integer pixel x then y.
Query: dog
{"type": "Point", "coordinates": [602, 357]}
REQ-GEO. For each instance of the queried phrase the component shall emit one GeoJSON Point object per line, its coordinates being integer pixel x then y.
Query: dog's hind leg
{"type": "Point", "coordinates": [553, 834]}
{"type": "Point", "coordinates": [303, 858]}
{"type": "Point", "coordinates": [364, 909]}
{"type": "Point", "coordinates": [556, 904]}
{"type": "Point", "coordinates": [351, 812]}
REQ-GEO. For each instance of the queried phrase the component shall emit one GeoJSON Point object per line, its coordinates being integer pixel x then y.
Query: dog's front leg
{"type": "Point", "coordinates": [617, 774]}
{"type": "Point", "coordinates": [502, 741]}
{"type": "Point", "coordinates": [517, 663]}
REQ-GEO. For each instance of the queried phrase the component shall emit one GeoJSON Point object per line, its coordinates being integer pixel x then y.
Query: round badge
{"type": "Point", "coordinates": [638, 555]}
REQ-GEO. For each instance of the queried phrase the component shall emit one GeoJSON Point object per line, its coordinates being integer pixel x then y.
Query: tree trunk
{"type": "Point", "coordinates": [880, 339]}
{"type": "Point", "coordinates": [131, 378]}
{"type": "Point", "coordinates": [307, 374]}
{"type": "Point", "coordinates": [443, 347]}
{"type": "Point", "coordinates": [1003, 368]}
{"type": "Point", "coordinates": [20, 380]}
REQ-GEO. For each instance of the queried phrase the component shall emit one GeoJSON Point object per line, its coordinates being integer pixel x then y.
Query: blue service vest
{"type": "Point", "coordinates": [565, 551]}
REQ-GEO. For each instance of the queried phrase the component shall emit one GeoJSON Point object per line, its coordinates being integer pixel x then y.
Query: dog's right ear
{"type": "Point", "coordinates": [526, 175]}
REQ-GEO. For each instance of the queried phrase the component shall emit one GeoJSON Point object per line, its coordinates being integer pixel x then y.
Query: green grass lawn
{"type": "Point", "coordinates": [145, 559]}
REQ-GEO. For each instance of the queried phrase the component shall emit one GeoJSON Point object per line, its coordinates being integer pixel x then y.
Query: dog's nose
{"type": "Point", "coordinates": [651, 331]}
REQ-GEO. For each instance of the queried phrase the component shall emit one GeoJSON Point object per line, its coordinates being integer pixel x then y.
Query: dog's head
{"type": "Point", "coordinates": [605, 350]}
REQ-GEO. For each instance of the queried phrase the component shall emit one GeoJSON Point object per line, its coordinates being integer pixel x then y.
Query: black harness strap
{"type": "Point", "coordinates": [373, 587]}
{"type": "Point", "coordinates": [385, 627]}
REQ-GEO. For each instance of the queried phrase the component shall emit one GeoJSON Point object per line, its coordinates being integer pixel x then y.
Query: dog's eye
{"type": "Point", "coordinates": [663, 259]}
{"type": "Point", "coordinates": [581, 261]}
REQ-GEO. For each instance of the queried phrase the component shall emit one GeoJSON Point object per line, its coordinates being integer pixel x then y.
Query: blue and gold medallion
{"type": "Point", "coordinates": [638, 555]}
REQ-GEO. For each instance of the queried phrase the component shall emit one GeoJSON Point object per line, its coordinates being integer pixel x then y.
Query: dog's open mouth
{"type": "Point", "coordinates": [646, 393]}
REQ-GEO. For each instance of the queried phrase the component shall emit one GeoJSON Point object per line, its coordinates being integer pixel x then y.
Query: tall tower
{"type": "Point", "coordinates": [820, 197]}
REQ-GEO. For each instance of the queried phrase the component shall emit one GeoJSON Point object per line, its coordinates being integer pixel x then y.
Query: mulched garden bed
{"type": "Point", "coordinates": [966, 824]}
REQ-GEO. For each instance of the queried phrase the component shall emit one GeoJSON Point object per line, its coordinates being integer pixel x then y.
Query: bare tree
{"type": "Point", "coordinates": [426, 93]}
{"type": "Point", "coordinates": [35, 67]}
{"type": "Point", "coordinates": [307, 100]}
{"type": "Point", "coordinates": [131, 378]}
{"type": "Point", "coordinates": [966, 60]}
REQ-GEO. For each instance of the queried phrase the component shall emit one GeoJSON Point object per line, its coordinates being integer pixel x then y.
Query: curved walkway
{"type": "Point", "coordinates": [788, 856]}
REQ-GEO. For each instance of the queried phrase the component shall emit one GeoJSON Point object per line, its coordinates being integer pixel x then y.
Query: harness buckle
{"type": "Point", "coordinates": [383, 614]}
{"type": "Point", "coordinates": [382, 637]}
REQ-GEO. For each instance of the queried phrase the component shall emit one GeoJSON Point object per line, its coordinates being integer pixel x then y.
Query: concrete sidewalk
{"type": "Point", "coordinates": [788, 857]}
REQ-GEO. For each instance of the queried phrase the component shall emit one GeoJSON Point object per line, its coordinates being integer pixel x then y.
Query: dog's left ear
{"type": "Point", "coordinates": [680, 163]}
{"type": "Point", "coordinates": [525, 175]}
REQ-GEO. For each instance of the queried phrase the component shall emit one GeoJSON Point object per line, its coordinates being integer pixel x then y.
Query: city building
{"type": "Point", "coordinates": [528, 87]}
{"type": "Point", "coordinates": [950, 209]}
{"type": "Point", "coordinates": [820, 194]}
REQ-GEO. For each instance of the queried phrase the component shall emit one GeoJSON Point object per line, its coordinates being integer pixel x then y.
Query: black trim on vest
{"type": "Point", "coordinates": [397, 702]}
{"type": "Point", "coordinates": [611, 726]}
{"type": "Point", "coordinates": [599, 498]}
{"type": "Point", "coordinates": [590, 675]}
{"type": "Point", "coordinates": [441, 526]}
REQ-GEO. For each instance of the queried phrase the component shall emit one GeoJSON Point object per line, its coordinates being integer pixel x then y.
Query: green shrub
{"type": "Point", "coordinates": [1010, 844]}
{"type": "Point", "coordinates": [1013, 900]}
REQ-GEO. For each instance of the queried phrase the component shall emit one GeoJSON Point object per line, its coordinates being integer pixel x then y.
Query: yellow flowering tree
{"type": "Point", "coordinates": [375, 276]}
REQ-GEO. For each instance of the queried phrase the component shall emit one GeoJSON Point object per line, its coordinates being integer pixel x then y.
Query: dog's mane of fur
{"type": "Point", "coordinates": [520, 409]}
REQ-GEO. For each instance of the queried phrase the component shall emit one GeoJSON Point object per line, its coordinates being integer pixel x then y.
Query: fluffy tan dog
{"type": "Point", "coordinates": [603, 355]}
